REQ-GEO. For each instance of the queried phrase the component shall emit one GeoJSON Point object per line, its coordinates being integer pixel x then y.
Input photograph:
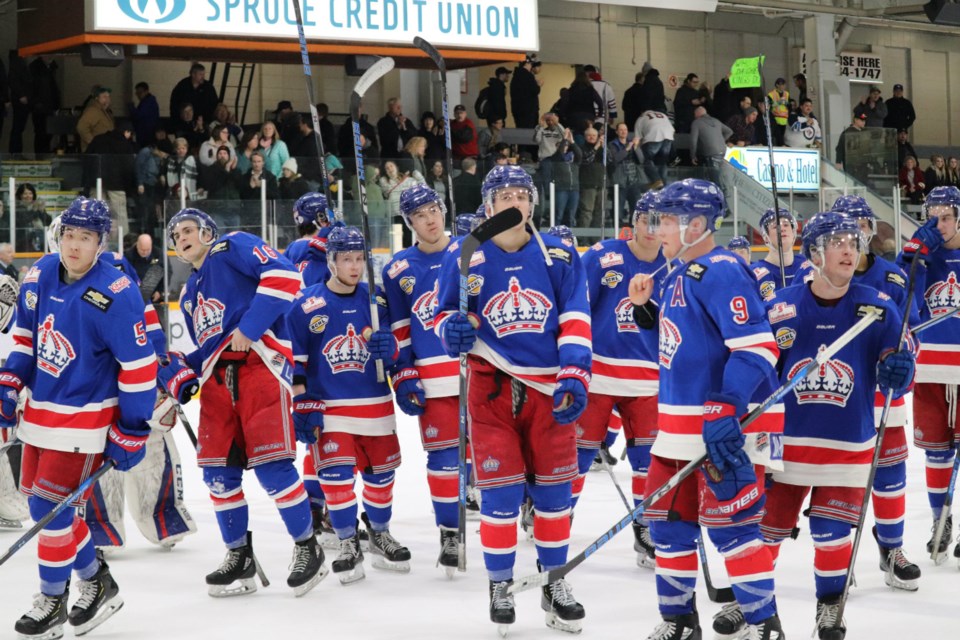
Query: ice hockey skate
{"type": "Point", "coordinates": [643, 545]}
{"type": "Point", "coordinates": [503, 611]}
{"type": "Point", "coordinates": [45, 620]}
{"type": "Point", "coordinates": [681, 627]}
{"type": "Point", "coordinates": [235, 575]}
{"type": "Point", "coordinates": [899, 572]}
{"type": "Point", "coordinates": [349, 564]}
{"type": "Point", "coordinates": [386, 552]}
{"type": "Point", "coordinates": [324, 530]}
{"type": "Point", "coordinates": [769, 629]}
{"type": "Point", "coordinates": [828, 627]}
{"type": "Point", "coordinates": [564, 613]}
{"type": "Point", "coordinates": [729, 623]}
{"type": "Point", "coordinates": [99, 600]}
{"type": "Point", "coordinates": [945, 539]}
{"type": "Point", "coordinates": [6, 523]}
{"type": "Point", "coordinates": [449, 551]}
{"type": "Point", "coordinates": [306, 568]}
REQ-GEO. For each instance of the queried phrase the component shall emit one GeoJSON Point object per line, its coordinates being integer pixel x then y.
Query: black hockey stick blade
{"type": "Point", "coordinates": [499, 223]}
{"type": "Point", "coordinates": [722, 595]}
{"type": "Point", "coordinates": [431, 51]}
{"type": "Point", "coordinates": [377, 70]}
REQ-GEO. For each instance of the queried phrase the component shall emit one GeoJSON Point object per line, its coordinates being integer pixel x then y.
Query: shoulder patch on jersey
{"type": "Point", "coordinates": [785, 337]}
{"type": "Point", "coordinates": [31, 299]}
{"type": "Point", "coordinates": [767, 289]}
{"type": "Point", "coordinates": [454, 246]}
{"type": "Point", "coordinates": [397, 268]}
{"type": "Point", "coordinates": [406, 284]}
{"type": "Point", "coordinates": [724, 258]}
{"type": "Point", "coordinates": [476, 258]}
{"type": "Point", "coordinates": [806, 265]}
{"type": "Point", "coordinates": [120, 284]}
{"type": "Point", "coordinates": [612, 279]}
{"type": "Point", "coordinates": [896, 279]}
{"type": "Point", "coordinates": [220, 247]}
{"type": "Point", "coordinates": [610, 259]}
{"type": "Point", "coordinates": [97, 299]}
{"type": "Point", "coordinates": [318, 323]}
{"type": "Point", "coordinates": [759, 272]}
{"type": "Point", "coordinates": [382, 301]}
{"type": "Point", "coordinates": [781, 311]}
{"type": "Point", "coordinates": [864, 309]}
{"type": "Point", "coordinates": [597, 246]}
{"type": "Point", "coordinates": [312, 304]}
{"type": "Point", "coordinates": [560, 254]}
{"type": "Point", "coordinates": [32, 275]}
{"type": "Point", "coordinates": [696, 271]}
{"type": "Point", "coordinates": [188, 307]}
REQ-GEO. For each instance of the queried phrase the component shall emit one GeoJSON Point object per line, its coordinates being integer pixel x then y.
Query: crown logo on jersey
{"type": "Point", "coordinates": [425, 305]}
{"type": "Point", "coordinates": [347, 352]}
{"type": "Point", "coordinates": [670, 340]}
{"type": "Point", "coordinates": [942, 296]}
{"type": "Point", "coordinates": [331, 447]}
{"type": "Point", "coordinates": [831, 383]}
{"type": "Point", "coordinates": [431, 432]}
{"type": "Point", "coordinates": [207, 318]}
{"type": "Point", "coordinates": [625, 321]}
{"type": "Point", "coordinates": [54, 351]}
{"type": "Point", "coordinates": [517, 310]}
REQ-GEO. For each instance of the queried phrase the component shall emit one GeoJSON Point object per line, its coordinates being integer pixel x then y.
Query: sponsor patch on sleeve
{"type": "Point", "coordinates": [120, 284]}
{"type": "Point", "coordinates": [696, 271]}
{"type": "Point", "coordinates": [897, 279]}
{"type": "Point", "coordinates": [397, 268]}
{"type": "Point", "coordinates": [220, 247]}
{"type": "Point", "coordinates": [559, 254]}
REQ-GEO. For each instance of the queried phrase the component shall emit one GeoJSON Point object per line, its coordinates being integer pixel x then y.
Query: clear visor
{"type": "Point", "coordinates": [201, 228]}
{"type": "Point", "coordinates": [666, 221]}
{"type": "Point", "coordinates": [518, 194]}
{"type": "Point", "coordinates": [868, 227]}
{"type": "Point", "coordinates": [785, 223]}
{"type": "Point", "coordinates": [941, 211]}
{"type": "Point", "coordinates": [842, 241]}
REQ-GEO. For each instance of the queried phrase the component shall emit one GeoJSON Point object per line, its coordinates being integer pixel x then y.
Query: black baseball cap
{"type": "Point", "coordinates": [898, 87]}
{"type": "Point", "coordinates": [502, 70]}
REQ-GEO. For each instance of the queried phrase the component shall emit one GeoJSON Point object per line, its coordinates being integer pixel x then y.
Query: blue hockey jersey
{"type": "Point", "coordinates": [329, 349]}
{"type": "Point", "coordinates": [296, 250]}
{"type": "Point", "coordinates": [82, 351]}
{"type": "Point", "coordinates": [714, 338]}
{"type": "Point", "coordinates": [829, 435]}
{"type": "Point", "coordinates": [768, 274]}
{"type": "Point", "coordinates": [411, 288]}
{"type": "Point", "coordinates": [624, 356]}
{"type": "Point", "coordinates": [154, 331]}
{"type": "Point", "coordinates": [534, 319]}
{"type": "Point", "coordinates": [242, 284]}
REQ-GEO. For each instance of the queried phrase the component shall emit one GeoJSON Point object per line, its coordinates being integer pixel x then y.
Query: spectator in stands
{"type": "Point", "coordinates": [145, 115]}
{"type": "Point", "coordinates": [32, 219]}
{"type": "Point", "coordinates": [608, 97]}
{"type": "Point", "coordinates": [900, 113]}
{"type": "Point", "coordinates": [591, 179]}
{"type": "Point", "coordinates": [708, 138]}
{"type": "Point", "coordinates": [742, 125]}
{"type": "Point", "coordinates": [496, 103]}
{"type": "Point", "coordinates": [724, 101]}
{"type": "Point", "coordinates": [222, 180]}
{"type": "Point", "coordinates": [803, 129]}
{"type": "Point", "coordinates": [219, 137]}
{"type": "Point", "coordinates": [249, 145]}
{"type": "Point", "coordinates": [345, 140]}
{"type": "Point", "coordinates": [431, 130]}
{"type": "Point", "coordinates": [223, 116]}
{"type": "Point", "coordinates": [655, 133]}
{"type": "Point", "coordinates": [180, 174]}
{"type": "Point", "coordinates": [328, 133]}
{"type": "Point", "coordinates": [953, 171]}
{"type": "Point", "coordinates": [436, 179]}
{"type": "Point", "coordinates": [97, 118]}
{"type": "Point", "coordinates": [6, 261]}
{"type": "Point", "coordinates": [190, 127]}
{"type": "Point", "coordinates": [394, 130]}
{"type": "Point", "coordinates": [304, 148]}
{"type": "Point", "coordinates": [44, 101]}
{"type": "Point", "coordinates": [704, 93]}
{"type": "Point", "coordinates": [525, 93]}
{"type": "Point", "coordinates": [413, 157]}
{"type": "Point", "coordinates": [501, 154]}
{"type": "Point", "coordinates": [287, 121]}
{"type": "Point", "coordinates": [148, 165]}
{"type": "Point", "coordinates": [489, 138]}
{"type": "Point", "coordinates": [855, 128]}
{"type": "Point", "coordinates": [566, 179]}
{"type": "Point", "coordinates": [904, 148]}
{"type": "Point", "coordinates": [779, 110]}
{"type": "Point", "coordinates": [800, 82]}
{"type": "Point", "coordinates": [936, 174]}
{"type": "Point", "coordinates": [872, 107]}
{"type": "Point", "coordinates": [463, 134]}
{"type": "Point", "coordinates": [582, 104]}
{"type": "Point", "coordinates": [632, 98]}
{"type": "Point", "coordinates": [685, 103]}
{"type": "Point", "coordinates": [195, 90]}
{"type": "Point", "coordinates": [117, 169]}
{"type": "Point", "coordinates": [20, 91]}
{"type": "Point", "coordinates": [653, 97]}
{"type": "Point", "coordinates": [273, 149]}
{"type": "Point", "coordinates": [292, 185]}
{"type": "Point", "coordinates": [912, 181]}
{"type": "Point", "coordinates": [625, 157]}
{"type": "Point", "coordinates": [143, 257]}
{"type": "Point", "coordinates": [548, 135]}
{"type": "Point", "coordinates": [394, 180]}
{"type": "Point", "coordinates": [258, 176]}
{"type": "Point", "coordinates": [466, 186]}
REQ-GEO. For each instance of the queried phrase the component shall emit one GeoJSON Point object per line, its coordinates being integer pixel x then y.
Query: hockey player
{"type": "Point", "coordinates": [565, 234]}
{"type": "Point", "coordinates": [625, 369]}
{"type": "Point", "coordinates": [768, 270]}
{"type": "Point", "coordinates": [81, 351]}
{"type": "Point", "coordinates": [235, 301]}
{"type": "Point", "coordinates": [829, 436]}
{"type": "Point", "coordinates": [716, 351]}
{"type": "Point", "coordinates": [426, 379]}
{"type": "Point", "coordinates": [467, 222]}
{"type": "Point", "coordinates": [740, 247]}
{"type": "Point", "coordinates": [310, 216]}
{"type": "Point", "coordinates": [528, 336]}
{"type": "Point", "coordinates": [337, 389]}
{"type": "Point", "coordinates": [890, 483]}
{"type": "Point", "coordinates": [937, 244]}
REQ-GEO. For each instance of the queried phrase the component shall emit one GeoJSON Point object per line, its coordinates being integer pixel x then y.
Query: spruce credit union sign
{"type": "Point", "coordinates": [470, 24]}
{"type": "Point", "coordinates": [797, 169]}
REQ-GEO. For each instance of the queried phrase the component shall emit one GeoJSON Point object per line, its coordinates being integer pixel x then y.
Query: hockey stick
{"type": "Point", "coordinates": [773, 172]}
{"type": "Point", "coordinates": [63, 504]}
{"type": "Point", "coordinates": [438, 60]}
{"type": "Point", "coordinates": [603, 188]}
{"type": "Point", "coordinates": [376, 71]}
{"type": "Point", "coordinates": [186, 424]}
{"type": "Point", "coordinates": [877, 449]}
{"type": "Point", "coordinates": [546, 577]}
{"type": "Point", "coordinates": [935, 321]}
{"type": "Point", "coordinates": [492, 226]}
{"type": "Point", "coordinates": [721, 595]}
{"type": "Point", "coordinates": [945, 510]}
{"type": "Point", "coordinates": [311, 100]}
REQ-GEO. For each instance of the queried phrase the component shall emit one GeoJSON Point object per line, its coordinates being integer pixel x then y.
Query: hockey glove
{"type": "Point", "coordinates": [126, 447]}
{"type": "Point", "coordinates": [382, 345]}
{"type": "Point", "coordinates": [177, 377]}
{"type": "Point", "coordinates": [925, 241]}
{"type": "Point", "coordinates": [895, 371]}
{"type": "Point", "coordinates": [736, 489]}
{"type": "Point", "coordinates": [10, 385]}
{"type": "Point", "coordinates": [307, 417]}
{"type": "Point", "coordinates": [721, 432]}
{"type": "Point", "coordinates": [570, 394]}
{"type": "Point", "coordinates": [459, 333]}
{"type": "Point", "coordinates": [409, 392]}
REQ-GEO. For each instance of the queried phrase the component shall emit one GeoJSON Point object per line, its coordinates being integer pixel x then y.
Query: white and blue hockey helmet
{"type": "Point", "coordinates": [203, 220]}
{"type": "Point", "coordinates": [818, 231]}
{"type": "Point", "coordinates": [504, 176]}
{"type": "Point", "coordinates": [419, 195]}
{"type": "Point", "coordinates": [311, 208]}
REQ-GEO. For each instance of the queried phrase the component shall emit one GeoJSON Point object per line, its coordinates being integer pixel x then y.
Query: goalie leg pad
{"type": "Point", "coordinates": [155, 493]}
{"type": "Point", "coordinates": [103, 512]}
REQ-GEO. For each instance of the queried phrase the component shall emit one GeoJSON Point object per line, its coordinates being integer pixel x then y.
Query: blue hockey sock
{"type": "Point", "coordinates": [282, 483]}
{"type": "Point", "coordinates": [443, 480]}
{"type": "Point", "coordinates": [750, 567]}
{"type": "Point", "coordinates": [677, 565]}
{"type": "Point", "coordinates": [500, 508]}
{"type": "Point", "coordinates": [226, 491]}
{"type": "Point", "coordinates": [337, 483]}
{"type": "Point", "coordinates": [551, 523]}
{"type": "Point", "coordinates": [639, 457]}
{"type": "Point", "coordinates": [311, 482]}
{"type": "Point", "coordinates": [939, 470]}
{"type": "Point", "coordinates": [56, 546]}
{"type": "Point", "coordinates": [378, 499]}
{"type": "Point", "coordinates": [889, 503]}
{"type": "Point", "coordinates": [831, 559]}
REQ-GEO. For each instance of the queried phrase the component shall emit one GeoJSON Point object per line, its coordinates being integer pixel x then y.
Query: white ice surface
{"type": "Point", "coordinates": [166, 595]}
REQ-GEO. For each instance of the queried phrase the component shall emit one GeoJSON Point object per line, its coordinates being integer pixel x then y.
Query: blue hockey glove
{"type": "Point", "coordinates": [177, 377]}
{"type": "Point", "coordinates": [307, 417]}
{"type": "Point", "coordinates": [925, 241]}
{"type": "Point", "coordinates": [459, 333]}
{"type": "Point", "coordinates": [409, 392]}
{"type": "Point", "coordinates": [570, 394]}
{"type": "Point", "coordinates": [736, 489]}
{"type": "Point", "coordinates": [721, 432]}
{"type": "Point", "coordinates": [126, 447]}
{"type": "Point", "coordinates": [382, 345]}
{"type": "Point", "coordinates": [895, 371]}
{"type": "Point", "coordinates": [10, 386]}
